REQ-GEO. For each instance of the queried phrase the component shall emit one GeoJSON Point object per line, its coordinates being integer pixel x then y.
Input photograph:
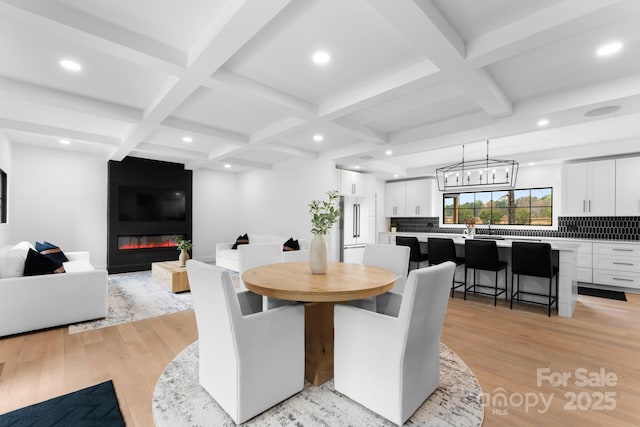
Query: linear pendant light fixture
{"type": "Point", "coordinates": [478, 173]}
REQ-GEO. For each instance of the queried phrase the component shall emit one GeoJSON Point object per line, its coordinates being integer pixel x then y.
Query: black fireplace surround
{"type": "Point", "coordinates": [149, 204]}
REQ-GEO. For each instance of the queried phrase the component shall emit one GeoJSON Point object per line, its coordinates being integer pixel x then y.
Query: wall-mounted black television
{"type": "Point", "coordinates": [151, 204]}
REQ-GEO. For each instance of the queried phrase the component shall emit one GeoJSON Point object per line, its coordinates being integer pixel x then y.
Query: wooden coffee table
{"type": "Point", "coordinates": [342, 282]}
{"type": "Point", "coordinates": [171, 275]}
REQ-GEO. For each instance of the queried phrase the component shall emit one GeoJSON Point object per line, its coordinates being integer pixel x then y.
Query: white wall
{"type": "Point", "coordinates": [59, 196]}
{"type": "Point", "coordinates": [5, 165]}
{"type": "Point", "coordinates": [215, 212]}
{"type": "Point", "coordinates": [277, 201]}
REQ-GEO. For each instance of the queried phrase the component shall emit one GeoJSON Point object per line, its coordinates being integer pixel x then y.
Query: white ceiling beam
{"type": "Point", "coordinates": [424, 26]}
{"type": "Point", "coordinates": [294, 151]}
{"type": "Point", "coordinates": [24, 92]}
{"type": "Point", "coordinates": [197, 128]}
{"type": "Point", "coordinates": [95, 33]}
{"type": "Point", "coordinates": [251, 164]}
{"type": "Point", "coordinates": [235, 25]}
{"type": "Point", "coordinates": [169, 151]}
{"type": "Point", "coordinates": [53, 131]}
{"type": "Point", "coordinates": [556, 22]}
{"type": "Point", "coordinates": [287, 103]}
{"type": "Point", "coordinates": [278, 130]}
{"type": "Point", "coordinates": [391, 86]}
{"type": "Point", "coordinates": [360, 131]}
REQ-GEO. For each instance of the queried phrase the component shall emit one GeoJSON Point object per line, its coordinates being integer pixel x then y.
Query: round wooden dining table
{"type": "Point", "coordinates": [342, 282]}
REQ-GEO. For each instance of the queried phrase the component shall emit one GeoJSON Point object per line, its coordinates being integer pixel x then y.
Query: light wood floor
{"type": "Point", "coordinates": [504, 349]}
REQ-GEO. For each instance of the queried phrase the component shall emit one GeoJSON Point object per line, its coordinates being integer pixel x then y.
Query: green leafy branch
{"type": "Point", "coordinates": [325, 213]}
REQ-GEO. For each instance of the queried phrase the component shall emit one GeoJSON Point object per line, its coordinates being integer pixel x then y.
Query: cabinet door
{"type": "Point", "coordinates": [602, 192]}
{"type": "Point", "coordinates": [418, 201]}
{"type": "Point", "coordinates": [396, 196]}
{"type": "Point", "coordinates": [574, 189]}
{"type": "Point", "coordinates": [352, 184]}
{"type": "Point", "coordinates": [628, 186]}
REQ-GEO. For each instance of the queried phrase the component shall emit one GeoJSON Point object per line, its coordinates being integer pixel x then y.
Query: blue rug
{"type": "Point", "coordinates": [92, 406]}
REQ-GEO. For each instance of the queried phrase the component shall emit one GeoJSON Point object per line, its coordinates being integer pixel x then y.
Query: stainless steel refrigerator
{"type": "Point", "coordinates": [354, 228]}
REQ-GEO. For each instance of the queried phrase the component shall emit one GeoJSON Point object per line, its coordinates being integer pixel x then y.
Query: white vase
{"type": "Point", "coordinates": [318, 255]}
{"type": "Point", "coordinates": [184, 257]}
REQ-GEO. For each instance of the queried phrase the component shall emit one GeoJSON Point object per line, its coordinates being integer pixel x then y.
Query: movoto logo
{"type": "Point", "coordinates": [595, 397]}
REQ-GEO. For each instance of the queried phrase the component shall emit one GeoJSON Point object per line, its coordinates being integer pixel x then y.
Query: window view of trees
{"type": "Point", "coordinates": [532, 206]}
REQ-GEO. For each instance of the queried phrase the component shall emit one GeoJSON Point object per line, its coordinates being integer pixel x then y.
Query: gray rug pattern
{"type": "Point", "coordinates": [136, 296]}
{"type": "Point", "coordinates": [179, 400]}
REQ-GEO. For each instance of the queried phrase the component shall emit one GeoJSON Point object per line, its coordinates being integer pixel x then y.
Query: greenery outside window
{"type": "Point", "coordinates": [3, 196]}
{"type": "Point", "coordinates": [530, 206]}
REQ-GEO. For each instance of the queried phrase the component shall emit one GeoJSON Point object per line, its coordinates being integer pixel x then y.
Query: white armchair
{"type": "Point", "coordinates": [389, 364]}
{"type": "Point", "coordinates": [247, 363]}
{"type": "Point", "coordinates": [390, 257]}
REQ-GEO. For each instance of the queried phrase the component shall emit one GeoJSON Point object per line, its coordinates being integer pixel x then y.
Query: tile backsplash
{"type": "Point", "coordinates": [592, 227]}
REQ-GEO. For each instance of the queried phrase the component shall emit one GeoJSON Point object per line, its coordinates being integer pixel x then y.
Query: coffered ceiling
{"type": "Point", "coordinates": [231, 85]}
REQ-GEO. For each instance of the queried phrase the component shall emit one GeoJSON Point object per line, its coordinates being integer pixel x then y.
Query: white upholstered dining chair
{"type": "Point", "coordinates": [251, 256]}
{"type": "Point", "coordinates": [248, 363]}
{"type": "Point", "coordinates": [390, 257]}
{"type": "Point", "coordinates": [390, 364]}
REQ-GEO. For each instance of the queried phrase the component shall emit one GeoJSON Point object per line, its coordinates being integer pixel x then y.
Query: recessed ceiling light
{"type": "Point", "coordinates": [357, 167]}
{"type": "Point", "coordinates": [321, 58]}
{"type": "Point", "coordinates": [227, 165]}
{"type": "Point", "coordinates": [388, 152]}
{"type": "Point", "coordinates": [532, 164]}
{"type": "Point", "coordinates": [318, 138]}
{"type": "Point", "coordinates": [70, 65]}
{"type": "Point", "coordinates": [187, 139]}
{"type": "Point", "coordinates": [543, 122]}
{"type": "Point", "coordinates": [395, 175]}
{"type": "Point", "coordinates": [64, 142]}
{"type": "Point", "coordinates": [609, 49]}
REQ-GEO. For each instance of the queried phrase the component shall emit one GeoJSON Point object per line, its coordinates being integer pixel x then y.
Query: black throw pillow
{"type": "Point", "coordinates": [291, 245]}
{"type": "Point", "coordinates": [52, 251]}
{"type": "Point", "coordinates": [37, 264]}
{"type": "Point", "coordinates": [241, 240]}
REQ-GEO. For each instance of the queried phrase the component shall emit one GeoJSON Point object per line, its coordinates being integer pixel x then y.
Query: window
{"type": "Point", "coordinates": [3, 196]}
{"type": "Point", "coordinates": [531, 206]}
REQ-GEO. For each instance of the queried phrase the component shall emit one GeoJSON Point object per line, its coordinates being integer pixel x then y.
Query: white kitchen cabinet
{"type": "Point", "coordinates": [584, 260]}
{"type": "Point", "coordinates": [617, 264]}
{"type": "Point", "coordinates": [396, 197]}
{"type": "Point", "coordinates": [628, 186]}
{"type": "Point", "coordinates": [419, 198]}
{"type": "Point", "coordinates": [352, 184]}
{"type": "Point", "coordinates": [410, 198]}
{"type": "Point", "coordinates": [589, 189]}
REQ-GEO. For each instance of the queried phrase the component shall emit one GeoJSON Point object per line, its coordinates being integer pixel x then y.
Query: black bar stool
{"type": "Point", "coordinates": [442, 250]}
{"type": "Point", "coordinates": [533, 259]}
{"type": "Point", "coordinates": [415, 254]}
{"type": "Point", "coordinates": [483, 255]}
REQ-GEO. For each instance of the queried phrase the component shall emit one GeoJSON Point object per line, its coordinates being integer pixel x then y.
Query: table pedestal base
{"type": "Point", "coordinates": [318, 342]}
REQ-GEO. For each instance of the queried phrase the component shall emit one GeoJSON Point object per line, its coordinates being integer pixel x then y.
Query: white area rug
{"type": "Point", "coordinates": [179, 400]}
{"type": "Point", "coordinates": [136, 296]}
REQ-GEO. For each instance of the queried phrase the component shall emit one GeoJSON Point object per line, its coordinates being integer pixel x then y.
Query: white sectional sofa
{"type": "Point", "coordinates": [29, 303]}
{"type": "Point", "coordinates": [228, 258]}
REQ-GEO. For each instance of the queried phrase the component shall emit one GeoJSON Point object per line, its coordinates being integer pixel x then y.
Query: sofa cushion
{"type": "Point", "coordinates": [52, 251]}
{"type": "Point", "coordinates": [241, 240]}
{"type": "Point", "coordinates": [11, 262]}
{"type": "Point", "coordinates": [291, 245]}
{"type": "Point", "coordinates": [78, 265]}
{"type": "Point", "coordinates": [37, 264]}
{"type": "Point", "coordinates": [258, 238]}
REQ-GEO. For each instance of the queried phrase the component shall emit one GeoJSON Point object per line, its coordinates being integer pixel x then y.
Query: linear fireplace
{"type": "Point", "coordinates": [149, 205]}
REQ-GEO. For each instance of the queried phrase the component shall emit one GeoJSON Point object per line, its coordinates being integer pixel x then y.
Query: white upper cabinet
{"type": "Point", "coordinates": [410, 198]}
{"type": "Point", "coordinates": [352, 184]}
{"type": "Point", "coordinates": [589, 189]}
{"type": "Point", "coordinates": [628, 186]}
{"type": "Point", "coordinates": [419, 198]}
{"type": "Point", "coordinates": [396, 196]}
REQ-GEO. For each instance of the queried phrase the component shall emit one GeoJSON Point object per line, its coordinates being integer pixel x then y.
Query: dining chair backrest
{"type": "Point", "coordinates": [531, 259]}
{"type": "Point", "coordinates": [390, 257]}
{"type": "Point", "coordinates": [481, 254]}
{"type": "Point", "coordinates": [441, 250]}
{"type": "Point", "coordinates": [252, 256]}
{"type": "Point", "coordinates": [412, 243]}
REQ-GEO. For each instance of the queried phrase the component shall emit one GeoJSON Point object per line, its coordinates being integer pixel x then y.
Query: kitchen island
{"type": "Point", "coordinates": [565, 254]}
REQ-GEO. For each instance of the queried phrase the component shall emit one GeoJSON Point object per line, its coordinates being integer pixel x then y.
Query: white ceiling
{"type": "Point", "coordinates": [420, 78]}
